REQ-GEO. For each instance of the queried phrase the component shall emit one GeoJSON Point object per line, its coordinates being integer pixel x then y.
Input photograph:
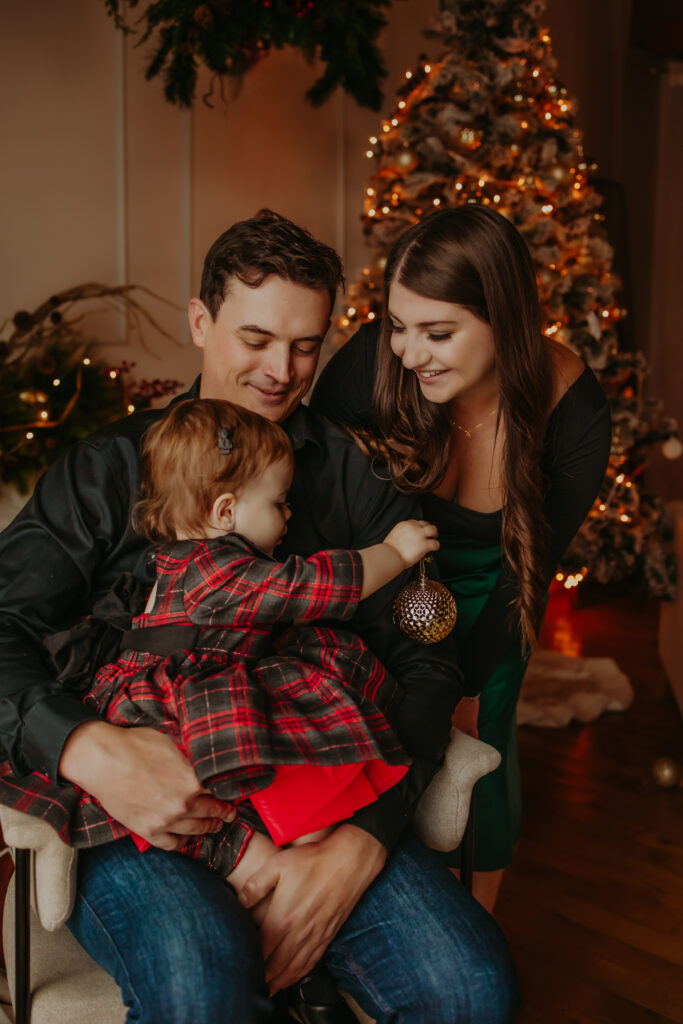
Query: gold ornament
{"type": "Point", "coordinates": [561, 173]}
{"type": "Point", "coordinates": [425, 610]}
{"type": "Point", "coordinates": [32, 396]}
{"type": "Point", "coordinates": [471, 138]}
{"type": "Point", "coordinates": [406, 159]}
{"type": "Point", "coordinates": [666, 772]}
{"type": "Point", "coordinates": [672, 448]}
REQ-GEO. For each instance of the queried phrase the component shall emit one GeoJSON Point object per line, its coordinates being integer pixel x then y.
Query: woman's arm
{"type": "Point", "coordinates": [343, 391]}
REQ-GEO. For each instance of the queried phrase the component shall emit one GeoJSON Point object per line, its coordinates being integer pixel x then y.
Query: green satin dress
{"type": "Point", "coordinates": [469, 563]}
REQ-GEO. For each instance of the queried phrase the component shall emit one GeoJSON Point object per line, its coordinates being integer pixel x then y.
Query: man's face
{"type": "Point", "coordinates": [262, 350]}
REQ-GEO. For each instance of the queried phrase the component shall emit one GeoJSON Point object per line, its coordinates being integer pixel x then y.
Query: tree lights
{"type": "Point", "coordinates": [488, 122]}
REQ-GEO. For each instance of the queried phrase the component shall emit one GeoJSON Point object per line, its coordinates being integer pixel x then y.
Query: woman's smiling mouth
{"type": "Point", "coordinates": [429, 375]}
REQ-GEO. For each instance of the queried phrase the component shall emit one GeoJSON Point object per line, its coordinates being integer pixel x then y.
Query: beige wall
{"type": "Point", "coordinates": [104, 181]}
{"type": "Point", "coordinates": [101, 179]}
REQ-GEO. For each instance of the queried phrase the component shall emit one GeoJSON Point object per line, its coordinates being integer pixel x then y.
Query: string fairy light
{"type": "Point", "coordinates": [427, 161]}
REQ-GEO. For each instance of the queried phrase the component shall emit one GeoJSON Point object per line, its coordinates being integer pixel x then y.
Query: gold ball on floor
{"type": "Point", "coordinates": [666, 772]}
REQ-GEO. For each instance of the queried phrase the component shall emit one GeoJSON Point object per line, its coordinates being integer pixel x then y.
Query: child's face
{"type": "Point", "coordinates": [261, 510]}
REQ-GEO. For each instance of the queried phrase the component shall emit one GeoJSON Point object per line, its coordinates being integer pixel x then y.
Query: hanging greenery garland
{"type": "Point", "coordinates": [229, 36]}
{"type": "Point", "coordinates": [54, 386]}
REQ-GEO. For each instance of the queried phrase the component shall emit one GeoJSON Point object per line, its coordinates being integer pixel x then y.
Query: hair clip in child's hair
{"type": "Point", "coordinates": [225, 444]}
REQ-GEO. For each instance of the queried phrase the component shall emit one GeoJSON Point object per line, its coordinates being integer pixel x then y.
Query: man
{"type": "Point", "coordinates": [395, 929]}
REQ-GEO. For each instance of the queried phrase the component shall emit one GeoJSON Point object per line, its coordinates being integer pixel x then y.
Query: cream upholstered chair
{"type": "Point", "coordinates": [52, 980]}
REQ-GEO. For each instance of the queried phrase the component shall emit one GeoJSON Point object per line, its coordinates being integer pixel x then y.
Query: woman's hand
{"type": "Point", "coordinates": [466, 715]}
{"type": "Point", "coordinates": [143, 780]}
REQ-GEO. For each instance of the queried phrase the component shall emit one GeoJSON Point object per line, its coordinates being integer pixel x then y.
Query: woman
{"type": "Point", "coordinates": [507, 434]}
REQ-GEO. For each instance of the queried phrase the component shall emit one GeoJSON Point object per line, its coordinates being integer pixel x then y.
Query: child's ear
{"type": "Point", "coordinates": [222, 515]}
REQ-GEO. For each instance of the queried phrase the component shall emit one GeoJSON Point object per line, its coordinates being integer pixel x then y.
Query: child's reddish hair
{"type": "Point", "coordinates": [184, 469]}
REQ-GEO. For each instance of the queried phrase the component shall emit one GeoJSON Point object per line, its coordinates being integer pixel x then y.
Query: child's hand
{"type": "Point", "coordinates": [413, 539]}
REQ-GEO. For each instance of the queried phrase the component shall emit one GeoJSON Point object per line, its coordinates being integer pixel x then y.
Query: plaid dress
{"type": "Point", "coordinates": [289, 720]}
{"type": "Point", "coordinates": [295, 721]}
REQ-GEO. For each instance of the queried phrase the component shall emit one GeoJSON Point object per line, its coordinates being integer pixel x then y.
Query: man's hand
{"type": "Point", "coordinates": [143, 780]}
{"type": "Point", "coordinates": [313, 888]}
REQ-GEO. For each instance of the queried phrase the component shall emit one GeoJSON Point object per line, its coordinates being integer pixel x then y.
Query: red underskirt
{"type": "Point", "coordinates": [303, 798]}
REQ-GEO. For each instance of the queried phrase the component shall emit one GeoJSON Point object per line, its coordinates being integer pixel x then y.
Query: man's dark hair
{"type": "Point", "coordinates": [267, 244]}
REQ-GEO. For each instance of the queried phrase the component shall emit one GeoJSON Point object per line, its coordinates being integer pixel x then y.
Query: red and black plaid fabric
{"type": "Point", "coordinates": [243, 699]}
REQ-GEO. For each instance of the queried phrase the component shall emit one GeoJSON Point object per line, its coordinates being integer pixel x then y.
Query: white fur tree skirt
{"type": "Point", "coordinates": [557, 688]}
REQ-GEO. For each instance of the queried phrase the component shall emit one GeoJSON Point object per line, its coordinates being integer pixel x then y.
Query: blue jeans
{"type": "Point", "coordinates": [417, 949]}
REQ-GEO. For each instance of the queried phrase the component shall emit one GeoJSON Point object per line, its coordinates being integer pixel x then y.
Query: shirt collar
{"type": "Point", "coordinates": [300, 426]}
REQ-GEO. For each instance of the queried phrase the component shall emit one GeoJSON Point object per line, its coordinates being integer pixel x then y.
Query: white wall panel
{"type": "Point", "coordinates": [158, 187]}
{"type": "Point", "coordinates": [266, 147]}
{"type": "Point", "coordinates": [60, 199]}
{"type": "Point", "coordinates": [101, 178]}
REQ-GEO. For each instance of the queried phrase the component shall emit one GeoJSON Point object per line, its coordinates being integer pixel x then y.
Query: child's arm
{"type": "Point", "coordinates": [402, 547]}
{"type": "Point", "coordinates": [250, 590]}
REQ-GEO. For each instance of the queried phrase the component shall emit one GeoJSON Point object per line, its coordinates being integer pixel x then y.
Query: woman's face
{"type": "Point", "coordinates": [449, 349]}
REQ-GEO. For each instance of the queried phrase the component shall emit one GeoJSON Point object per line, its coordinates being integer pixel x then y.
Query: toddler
{"type": "Point", "coordinates": [278, 711]}
{"type": "Point", "coordinates": [292, 719]}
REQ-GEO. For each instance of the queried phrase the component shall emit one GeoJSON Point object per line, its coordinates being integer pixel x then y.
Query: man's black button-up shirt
{"type": "Point", "coordinates": [73, 539]}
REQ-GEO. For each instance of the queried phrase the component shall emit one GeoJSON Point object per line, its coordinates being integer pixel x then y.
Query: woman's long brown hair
{"type": "Point", "coordinates": [473, 256]}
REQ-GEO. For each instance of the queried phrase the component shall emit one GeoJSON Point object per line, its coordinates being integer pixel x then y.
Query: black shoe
{"type": "Point", "coordinates": [314, 999]}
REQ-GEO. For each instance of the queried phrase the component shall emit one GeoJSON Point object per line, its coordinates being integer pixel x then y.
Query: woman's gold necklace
{"type": "Point", "coordinates": [469, 431]}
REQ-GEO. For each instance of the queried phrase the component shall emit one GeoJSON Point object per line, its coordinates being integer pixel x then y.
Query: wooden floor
{"type": "Point", "coordinates": [593, 904]}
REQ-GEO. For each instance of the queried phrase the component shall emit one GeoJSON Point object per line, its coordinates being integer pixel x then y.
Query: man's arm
{"type": "Point", "coordinates": [428, 675]}
{"type": "Point", "coordinates": [70, 542]}
{"type": "Point", "coordinates": [50, 557]}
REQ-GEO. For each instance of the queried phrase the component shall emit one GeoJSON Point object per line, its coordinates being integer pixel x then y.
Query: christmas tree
{"type": "Point", "coordinates": [489, 122]}
{"type": "Point", "coordinates": [55, 388]}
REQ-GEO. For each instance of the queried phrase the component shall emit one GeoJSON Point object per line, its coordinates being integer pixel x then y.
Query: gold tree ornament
{"type": "Point", "coordinates": [666, 771]}
{"type": "Point", "coordinates": [406, 159]}
{"type": "Point", "coordinates": [470, 138]}
{"type": "Point", "coordinates": [425, 610]}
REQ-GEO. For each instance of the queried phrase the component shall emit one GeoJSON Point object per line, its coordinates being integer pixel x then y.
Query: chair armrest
{"type": "Point", "coordinates": [439, 820]}
{"type": "Point", "coordinates": [442, 812]}
{"type": "Point", "coordinates": [53, 878]}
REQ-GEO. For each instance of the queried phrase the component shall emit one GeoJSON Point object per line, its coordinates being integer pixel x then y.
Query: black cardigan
{"type": "Point", "coordinates": [73, 540]}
